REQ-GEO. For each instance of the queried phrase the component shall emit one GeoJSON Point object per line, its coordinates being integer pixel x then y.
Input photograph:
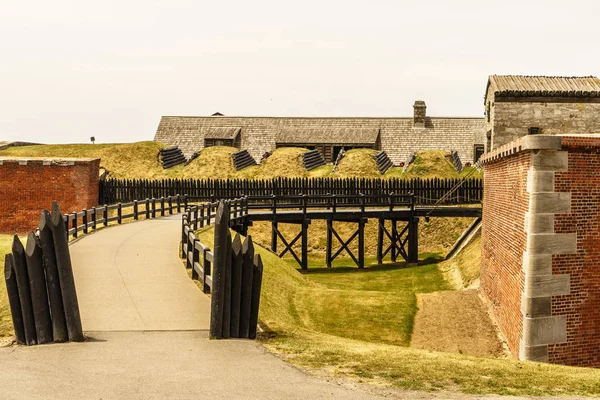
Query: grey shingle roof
{"type": "Point", "coordinates": [323, 135]}
{"type": "Point", "coordinates": [222, 133]}
{"type": "Point", "coordinates": [515, 85]}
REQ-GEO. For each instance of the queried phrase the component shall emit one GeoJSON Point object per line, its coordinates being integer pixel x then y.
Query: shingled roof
{"type": "Point", "coordinates": [222, 133]}
{"type": "Point", "coordinates": [515, 85]}
{"type": "Point", "coordinates": [348, 136]}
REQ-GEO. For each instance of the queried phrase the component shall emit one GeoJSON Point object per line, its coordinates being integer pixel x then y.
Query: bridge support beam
{"type": "Point", "coordinates": [345, 244]}
{"type": "Point", "coordinates": [413, 241]}
{"type": "Point", "coordinates": [276, 235]}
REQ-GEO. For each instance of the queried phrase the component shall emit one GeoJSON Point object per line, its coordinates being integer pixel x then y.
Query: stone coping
{"type": "Point", "coordinates": [541, 142]}
{"type": "Point", "coordinates": [62, 161]}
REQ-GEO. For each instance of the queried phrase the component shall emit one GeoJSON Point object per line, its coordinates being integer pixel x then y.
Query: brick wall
{"type": "Point", "coordinates": [541, 246]}
{"type": "Point", "coordinates": [503, 242]}
{"type": "Point", "coordinates": [29, 186]}
{"type": "Point", "coordinates": [582, 305]}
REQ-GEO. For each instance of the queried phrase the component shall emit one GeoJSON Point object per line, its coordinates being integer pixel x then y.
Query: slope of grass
{"type": "Point", "coordinates": [466, 265]}
{"type": "Point", "coordinates": [432, 164]}
{"type": "Point", "coordinates": [343, 321]}
{"type": "Point", "coordinates": [121, 160]}
{"type": "Point", "coordinates": [358, 163]}
{"type": "Point", "coordinates": [140, 161]}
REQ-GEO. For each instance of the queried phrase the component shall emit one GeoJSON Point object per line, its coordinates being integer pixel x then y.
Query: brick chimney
{"type": "Point", "coordinates": [420, 112]}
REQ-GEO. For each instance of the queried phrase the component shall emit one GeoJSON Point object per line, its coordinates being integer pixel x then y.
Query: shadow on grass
{"type": "Point", "coordinates": [344, 266]}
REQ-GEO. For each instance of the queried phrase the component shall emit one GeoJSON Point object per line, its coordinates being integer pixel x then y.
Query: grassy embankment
{"type": "Point", "coordinates": [344, 321]}
{"type": "Point", "coordinates": [140, 160]}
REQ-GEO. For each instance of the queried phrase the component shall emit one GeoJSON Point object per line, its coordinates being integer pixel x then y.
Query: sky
{"type": "Point", "coordinates": [70, 70]}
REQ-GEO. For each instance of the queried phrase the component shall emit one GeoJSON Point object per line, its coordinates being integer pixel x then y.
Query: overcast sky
{"type": "Point", "coordinates": [74, 69]}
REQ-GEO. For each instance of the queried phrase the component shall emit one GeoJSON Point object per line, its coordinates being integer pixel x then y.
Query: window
{"type": "Point", "coordinates": [534, 130]}
{"type": "Point", "coordinates": [478, 152]}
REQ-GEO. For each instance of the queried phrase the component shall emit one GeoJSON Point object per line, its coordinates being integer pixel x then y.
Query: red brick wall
{"type": "Point", "coordinates": [582, 306]}
{"type": "Point", "coordinates": [25, 190]}
{"type": "Point", "coordinates": [503, 241]}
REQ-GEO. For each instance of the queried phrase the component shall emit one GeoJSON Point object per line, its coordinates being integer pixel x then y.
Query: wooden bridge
{"type": "Point", "coordinates": [400, 209]}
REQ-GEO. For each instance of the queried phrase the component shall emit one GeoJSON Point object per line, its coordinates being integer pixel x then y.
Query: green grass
{"type": "Point", "coordinates": [6, 328]}
{"type": "Point", "coordinates": [353, 323]}
{"type": "Point", "coordinates": [140, 161]}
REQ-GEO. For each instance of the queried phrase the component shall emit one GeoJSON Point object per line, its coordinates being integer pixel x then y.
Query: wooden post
{"type": "Point", "coordinates": [170, 205]}
{"type": "Point", "coordinates": [162, 206]}
{"type": "Point", "coordinates": [147, 208]}
{"type": "Point", "coordinates": [361, 243]}
{"type": "Point", "coordinates": [380, 226]}
{"type": "Point", "coordinates": [256, 286]}
{"type": "Point", "coordinates": [12, 290]}
{"type": "Point", "coordinates": [184, 223]}
{"type": "Point", "coordinates": [329, 245]}
{"type": "Point", "coordinates": [189, 248]}
{"type": "Point", "coordinates": [195, 259]}
{"type": "Point", "coordinates": [120, 214]}
{"type": "Point", "coordinates": [222, 254]}
{"type": "Point", "coordinates": [74, 225]}
{"type": "Point", "coordinates": [246, 292]}
{"type": "Point", "coordinates": [413, 241]}
{"type": "Point", "coordinates": [304, 243]}
{"type": "Point", "coordinates": [105, 215]}
{"type": "Point", "coordinates": [202, 206]}
{"type": "Point", "coordinates": [178, 204]}
{"type": "Point", "coordinates": [236, 285]}
{"type": "Point", "coordinates": [227, 293]}
{"type": "Point", "coordinates": [65, 274]}
{"type": "Point", "coordinates": [135, 210]}
{"type": "Point", "coordinates": [20, 267]}
{"type": "Point", "coordinates": [57, 311]}
{"type": "Point", "coordinates": [274, 228]}
{"type": "Point", "coordinates": [94, 218]}
{"type": "Point", "coordinates": [85, 222]}
{"type": "Point", "coordinates": [394, 250]}
{"type": "Point", "coordinates": [39, 293]}
{"type": "Point", "coordinates": [207, 270]}
{"type": "Point", "coordinates": [153, 208]}
{"type": "Point", "coordinates": [195, 218]}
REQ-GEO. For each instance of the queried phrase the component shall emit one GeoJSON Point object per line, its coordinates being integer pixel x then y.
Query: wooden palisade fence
{"type": "Point", "coordinates": [426, 191]}
{"type": "Point", "coordinates": [232, 273]}
{"type": "Point", "coordinates": [40, 285]}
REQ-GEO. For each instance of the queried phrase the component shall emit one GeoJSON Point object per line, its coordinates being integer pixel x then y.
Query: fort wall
{"type": "Point", "coordinates": [541, 258]}
{"type": "Point", "coordinates": [27, 186]}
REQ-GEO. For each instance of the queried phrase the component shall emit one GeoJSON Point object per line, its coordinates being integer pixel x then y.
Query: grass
{"type": "Point", "coordinates": [6, 327]}
{"type": "Point", "coordinates": [432, 164]}
{"type": "Point", "coordinates": [353, 323]}
{"type": "Point", "coordinates": [358, 163]}
{"type": "Point", "coordinates": [140, 161]}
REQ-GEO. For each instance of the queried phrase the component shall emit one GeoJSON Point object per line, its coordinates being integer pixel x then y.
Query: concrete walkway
{"type": "Point", "coordinates": [130, 278]}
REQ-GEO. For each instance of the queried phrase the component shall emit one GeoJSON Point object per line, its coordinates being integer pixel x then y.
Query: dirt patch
{"type": "Point", "coordinates": [456, 322]}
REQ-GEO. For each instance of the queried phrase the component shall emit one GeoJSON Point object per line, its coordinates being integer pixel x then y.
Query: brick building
{"type": "Point", "coordinates": [540, 274]}
{"type": "Point", "coordinates": [398, 136]}
{"type": "Point", "coordinates": [520, 105]}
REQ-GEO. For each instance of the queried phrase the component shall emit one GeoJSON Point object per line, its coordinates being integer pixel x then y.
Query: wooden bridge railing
{"type": "Point", "coordinates": [232, 273]}
{"type": "Point", "coordinates": [148, 208]}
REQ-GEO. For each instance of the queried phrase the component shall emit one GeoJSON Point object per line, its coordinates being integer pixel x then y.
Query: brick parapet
{"type": "Point", "coordinates": [29, 185]}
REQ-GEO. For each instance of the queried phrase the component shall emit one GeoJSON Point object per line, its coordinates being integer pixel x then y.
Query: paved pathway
{"type": "Point", "coordinates": [130, 278]}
